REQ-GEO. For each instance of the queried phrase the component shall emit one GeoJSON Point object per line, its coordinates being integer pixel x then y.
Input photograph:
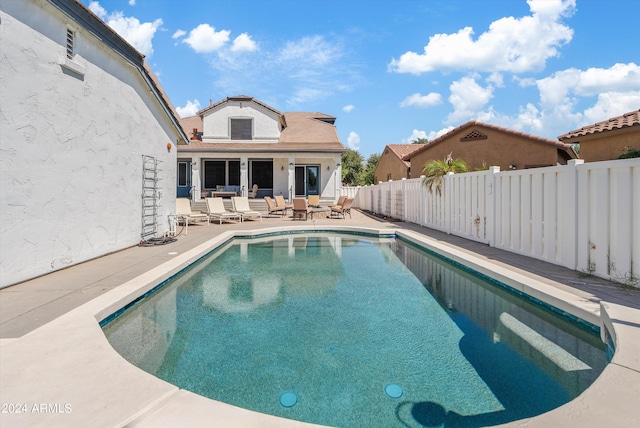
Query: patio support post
{"type": "Point", "coordinates": [291, 179]}
{"type": "Point", "coordinates": [244, 176]}
{"type": "Point", "coordinates": [196, 179]}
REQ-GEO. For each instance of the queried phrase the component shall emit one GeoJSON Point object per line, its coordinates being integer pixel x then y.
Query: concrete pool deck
{"type": "Point", "coordinates": [56, 362]}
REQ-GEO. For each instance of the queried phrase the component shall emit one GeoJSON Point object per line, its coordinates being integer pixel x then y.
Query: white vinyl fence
{"type": "Point", "coordinates": [585, 217]}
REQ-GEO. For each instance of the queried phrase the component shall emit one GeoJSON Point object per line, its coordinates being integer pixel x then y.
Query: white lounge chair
{"type": "Point", "coordinates": [216, 210]}
{"type": "Point", "coordinates": [241, 205]}
{"type": "Point", "coordinates": [184, 213]}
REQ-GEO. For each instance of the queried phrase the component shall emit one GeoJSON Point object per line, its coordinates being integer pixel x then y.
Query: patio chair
{"type": "Point", "coordinates": [241, 205]}
{"type": "Point", "coordinates": [253, 192]}
{"type": "Point", "coordinates": [273, 207]}
{"type": "Point", "coordinates": [183, 210]}
{"type": "Point", "coordinates": [340, 201]}
{"type": "Point", "coordinates": [343, 209]}
{"type": "Point", "coordinates": [280, 202]}
{"type": "Point", "coordinates": [314, 200]}
{"type": "Point", "coordinates": [216, 210]}
{"type": "Point", "coordinates": [300, 207]}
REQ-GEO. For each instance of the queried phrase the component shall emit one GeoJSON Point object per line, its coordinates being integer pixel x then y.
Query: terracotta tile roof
{"type": "Point", "coordinates": [626, 120]}
{"type": "Point", "coordinates": [238, 98]}
{"type": "Point", "coordinates": [559, 145]}
{"type": "Point", "coordinates": [403, 151]}
{"type": "Point", "coordinates": [310, 128]}
{"type": "Point", "coordinates": [190, 123]}
{"type": "Point", "coordinates": [305, 132]}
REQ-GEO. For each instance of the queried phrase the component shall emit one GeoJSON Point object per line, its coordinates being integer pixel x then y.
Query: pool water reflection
{"type": "Point", "coordinates": [330, 322]}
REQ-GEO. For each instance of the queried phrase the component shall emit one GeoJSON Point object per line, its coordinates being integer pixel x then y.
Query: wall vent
{"type": "Point", "coordinates": [70, 37]}
{"type": "Point", "coordinates": [473, 136]}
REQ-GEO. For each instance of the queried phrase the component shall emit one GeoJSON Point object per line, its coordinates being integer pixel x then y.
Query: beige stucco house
{"type": "Point", "coordinates": [394, 163]}
{"type": "Point", "coordinates": [607, 139]}
{"type": "Point", "coordinates": [482, 145]}
{"type": "Point", "coordinates": [239, 142]}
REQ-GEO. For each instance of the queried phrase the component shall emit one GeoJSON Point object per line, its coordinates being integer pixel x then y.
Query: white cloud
{"type": "Point", "coordinates": [569, 99]}
{"type": "Point", "coordinates": [418, 100]}
{"type": "Point", "coordinates": [243, 43]}
{"type": "Point", "coordinates": [204, 38]}
{"type": "Point", "coordinates": [178, 34]}
{"type": "Point", "coordinates": [510, 44]}
{"type": "Point", "coordinates": [353, 141]}
{"type": "Point", "coordinates": [617, 90]}
{"type": "Point", "coordinates": [139, 35]}
{"type": "Point", "coordinates": [415, 135]}
{"type": "Point", "coordinates": [612, 104]}
{"type": "Point", "coordinates": [348, 108]}
{"type": "Point", "coordinates": [95, 7]}
{"type": "Point", "coordinates": [190, 109]}
{"type": "Point", "coordinates": [468, 99]}
{"type": "Point", "coordinates": [132, 2]}
{"type": "Point", "coordinates": [314, 51]}
{"type": "Point", "coordinates": [313, 68]}
{"type": "Point", "coordinates": [435, 134]}
{"type": "Point", "coordinates": [496, 79]}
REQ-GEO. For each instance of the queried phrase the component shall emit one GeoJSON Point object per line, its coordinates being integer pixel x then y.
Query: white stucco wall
{"type": "Point", "coordinates": [71, 146]}
{"type": "Point", "coordinates": [216, 122]}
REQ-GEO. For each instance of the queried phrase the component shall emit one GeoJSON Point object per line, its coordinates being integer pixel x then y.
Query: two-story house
{"type": "Point", "coordinates": [239, 142]}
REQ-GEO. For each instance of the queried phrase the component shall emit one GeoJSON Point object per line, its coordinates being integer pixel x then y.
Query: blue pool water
{"type": "Point", "coordinates": [354, 331]}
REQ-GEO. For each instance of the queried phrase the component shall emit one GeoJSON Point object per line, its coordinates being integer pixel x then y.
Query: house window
{"type": "Point", "coordinates": [388, 177]}
{"type": "Point", "coordinates": [70, 38]}
{"type": "Point", "coordinates": [182, 174]}
{"type": "Point", "coordinates": [214, 174]}
{"type": "Point", "coordinates": [221, 173]}
{"type": "Point", "coordinates": [262, 174]}
{"type": "Point", "coordinates": [241, 129]}
{"type": "Point", "coordinates": [234, 173]}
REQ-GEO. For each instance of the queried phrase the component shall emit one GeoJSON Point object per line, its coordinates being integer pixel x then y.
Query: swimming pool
{"type": "Point", "coordinates": [356, 331]}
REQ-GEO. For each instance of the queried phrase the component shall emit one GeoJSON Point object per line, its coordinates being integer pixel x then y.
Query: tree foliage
{"type": "Point", "coordinates": [351, 167]}
{"type": "Point", "coordinates": [630, 153]}
{"type": "Point", "coordinates": [355, 172]}
{"type": "Point", "coordinates": [420, 141]}
{"type": "Point", "coordinates": [435, 170]}
{"type": "Point", "coordinates": [368, 174]}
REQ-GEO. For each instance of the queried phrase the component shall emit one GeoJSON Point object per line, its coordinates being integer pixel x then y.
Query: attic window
{"type": "Point", "coordinates": [70, 37]}
{"type": "Point", "coordinates": [241, 129]}
{"type": "Point", "coordinates": [473, 136]}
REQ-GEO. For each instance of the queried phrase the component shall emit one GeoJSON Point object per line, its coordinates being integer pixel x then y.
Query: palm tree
{"type": "Point", "coordinates": [435, 170]}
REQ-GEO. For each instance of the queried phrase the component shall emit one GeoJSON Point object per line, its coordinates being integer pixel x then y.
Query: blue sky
{"type": "Point", "coordinates": [393, 71]}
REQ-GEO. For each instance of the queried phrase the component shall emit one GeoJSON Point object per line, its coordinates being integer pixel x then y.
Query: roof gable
{"type": "Point", "coordinates": [236, 98]}
{"type": "Point", "coordinates": [402, 151]}
{"type": "Point", "coordinates": [478, 135]}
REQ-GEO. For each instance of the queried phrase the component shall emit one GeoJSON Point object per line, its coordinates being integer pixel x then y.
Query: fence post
{"type": "Point", "coordinates": [404, 199]}
{"type": "Point", "coordinates": [491, 204]}
{"type": "Point", "coordinates": [569, 212]}
{"type": "Point", "coordinates": [448, 201]}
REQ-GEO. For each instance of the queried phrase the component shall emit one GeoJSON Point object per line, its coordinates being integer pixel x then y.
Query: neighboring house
{"type": "Point", "coordinates": [392, 164]}
{"type": "Point", "coordinates": [607, 139]}
{"type": "Point", "coordinates": [239, 142]}
{"type": "Point", "coordinates": [482, 145]}
{"type": "Point", "coordinates": [78, 111]}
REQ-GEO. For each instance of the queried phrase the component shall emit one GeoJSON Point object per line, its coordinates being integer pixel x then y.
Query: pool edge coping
{"type": "Point", "coordinates": [618, 320]}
